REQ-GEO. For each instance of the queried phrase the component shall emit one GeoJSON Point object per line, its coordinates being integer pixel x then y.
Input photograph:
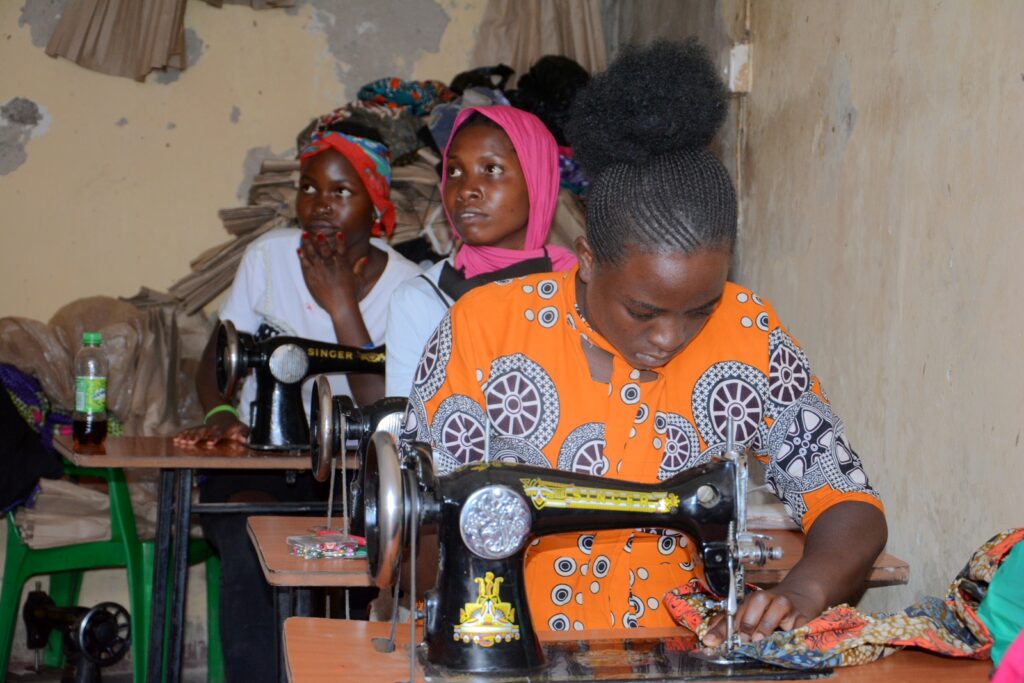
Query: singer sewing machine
{"type": "Point", "coordinates": [337, 426]}
{"type": "Point", "coordinates": [281, 364]}
{"type": "Point", "coordinates": [92, 638]}
{"type": "Point", "coordinates": [477, 620]}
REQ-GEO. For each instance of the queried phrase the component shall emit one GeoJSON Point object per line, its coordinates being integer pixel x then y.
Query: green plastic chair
{"type": "Point", "coordinates": [65, 565]}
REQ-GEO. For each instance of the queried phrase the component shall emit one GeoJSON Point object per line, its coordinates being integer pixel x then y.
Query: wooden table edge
{"type": "Point", "coordinates": [307, 579]}
{"type": "Point", "coordinates": [910, 662]}
{"type": "Point", "coordinates": [197, 459]}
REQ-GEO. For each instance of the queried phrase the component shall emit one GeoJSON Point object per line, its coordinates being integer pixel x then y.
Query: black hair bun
{"type": "Point", "coordinates": [651, 100]}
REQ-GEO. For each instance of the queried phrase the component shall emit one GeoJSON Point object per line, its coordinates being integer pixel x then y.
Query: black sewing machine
{"type": "Point", "coordinates": [92, 638]}
{"type": "Point", "coordinates": [336, 426]}
{"type": "Point", "coordinates": [476, 619]}
{"type": "Point", "coordinates": [278, 421]}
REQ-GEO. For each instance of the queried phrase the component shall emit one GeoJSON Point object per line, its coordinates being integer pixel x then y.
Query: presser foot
{"type": "Point", "coordinates": [719, 655]}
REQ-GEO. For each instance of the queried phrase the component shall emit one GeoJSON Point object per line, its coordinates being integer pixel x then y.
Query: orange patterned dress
{"type": "Point", "coordinates": [506, 367]}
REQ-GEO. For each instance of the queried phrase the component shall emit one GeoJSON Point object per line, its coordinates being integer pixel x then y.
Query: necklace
{"type": "Point", "coordinates": [579, 312]}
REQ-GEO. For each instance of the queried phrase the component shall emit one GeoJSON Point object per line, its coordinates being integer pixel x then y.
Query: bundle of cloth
{"type": "Point", "coordinates": [151, 350]}
{"type": "Point", "coordinates": [980, 615]}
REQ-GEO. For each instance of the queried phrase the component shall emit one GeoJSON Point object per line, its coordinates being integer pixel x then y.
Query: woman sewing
{"type": "Point", "coordinates": [632, 366]}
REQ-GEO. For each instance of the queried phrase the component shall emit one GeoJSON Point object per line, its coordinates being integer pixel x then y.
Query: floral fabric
{"type": "Point", "coordinates": [843, 636]}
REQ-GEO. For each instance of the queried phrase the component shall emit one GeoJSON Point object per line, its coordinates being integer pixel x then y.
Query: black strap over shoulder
{"type": "Point", "coordinates": [454, 284]}
{"type": "Point", "coordinates": [440, 295]}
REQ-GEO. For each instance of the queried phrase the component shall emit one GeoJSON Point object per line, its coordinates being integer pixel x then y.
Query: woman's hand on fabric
{"type": "Point", "coordinates": [763, 612]}
{"type": "Point", "coordinates": [334, 283]}
{"type": "Point", "coordinates": [223, 429]}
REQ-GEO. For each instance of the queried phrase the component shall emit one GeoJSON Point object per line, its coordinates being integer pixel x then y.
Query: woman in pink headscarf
{"type": "Point", "coordinates": [499, 187]}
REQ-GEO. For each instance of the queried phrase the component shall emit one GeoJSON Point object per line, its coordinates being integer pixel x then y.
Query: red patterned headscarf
{"type": "Point", "coordinates": [372, 162]}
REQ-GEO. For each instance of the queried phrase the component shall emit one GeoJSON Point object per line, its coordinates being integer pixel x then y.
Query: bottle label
{"type": "Point", "coordinates": [91, 394]}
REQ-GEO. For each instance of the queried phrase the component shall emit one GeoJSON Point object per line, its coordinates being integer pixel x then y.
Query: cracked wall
{"type": "Point", "coordinates": [143, 168]}
{"type": "Point", "coordinates": [108, 185]}
{"type": "Point", "coordinates": [20, 120]}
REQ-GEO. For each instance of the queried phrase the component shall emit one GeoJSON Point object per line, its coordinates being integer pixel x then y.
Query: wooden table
{"type": "Point", "coordinates": [269, 536]}
{"type": "Point", "coordinates": [159, 452]}
{"type": "Point", "coordinates": [286, 572]}
{"type": "Point", "coordinates": [292, 577]}
{"type": "Point", "coordinates": [331, 650]}
{"type": "Point", "coordinates": [176, 465]}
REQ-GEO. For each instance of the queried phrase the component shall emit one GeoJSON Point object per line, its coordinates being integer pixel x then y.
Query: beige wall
{"type": "Point", "coordinates": [883, 217]}
{"type": "Point", "coordinates": [882, 209]}
{"type": "Point", "coordinates": [119, 184]}
{"type": "Point", "coordinates": [121, 181]}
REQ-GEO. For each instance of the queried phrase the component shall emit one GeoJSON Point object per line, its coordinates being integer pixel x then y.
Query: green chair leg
{"type": "Point", "coordinates": [66, 563]}
{"type": "Point", "coordinates": [214, 653]}
{"type": "Point", "coordinates": [10, 592]}
{"type": "Point", "coordinates": [198, 551]}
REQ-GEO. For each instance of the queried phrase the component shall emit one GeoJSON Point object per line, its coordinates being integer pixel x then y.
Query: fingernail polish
{"type": "Point", "coordinates": [339, 235]}
{"type": "Point", "coordinates": [305, 235]}
{"type": "Point", "coordinates": [299, 250]}
{"type": "Point", "coordinates": [320, 236]}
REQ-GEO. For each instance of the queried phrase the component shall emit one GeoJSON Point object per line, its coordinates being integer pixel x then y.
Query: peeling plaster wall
{"type": "Point", "coordinates": [640, 22]}
{"type": "Point", "coordinates": [107, 185]}
{"type": "Point", "coordinates": [716, 23]}
{"type": "Point", "coordinates": [122, 189]}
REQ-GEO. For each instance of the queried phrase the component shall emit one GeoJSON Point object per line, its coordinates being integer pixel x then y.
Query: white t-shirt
{"type": "Point", "coordinates": [415, 311]}
{"type": "Point", "coordinates": [269, 289]}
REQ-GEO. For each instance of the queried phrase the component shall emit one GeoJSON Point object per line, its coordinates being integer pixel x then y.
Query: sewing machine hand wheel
{"type": "Point", "coordinates": [232, 360]}
{"type": "Point", "coordinates": [385, 509]}
{"type": "Point", "coordinates": [104, 633]}
{"type": "Point", "coordinates": [328, 427]}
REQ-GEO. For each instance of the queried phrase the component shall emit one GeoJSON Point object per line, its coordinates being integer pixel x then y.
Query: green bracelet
{"type": "Point", "coordinates": [222, 408]}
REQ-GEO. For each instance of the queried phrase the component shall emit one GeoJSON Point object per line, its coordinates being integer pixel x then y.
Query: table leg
{"type": "Point", "coordinates": [282, 610]}
{"type": "Point", "coordinates": [302, 602]}
{"type": "Point", "coordinates": [179, 590]}
{"type": "Point", "coordinates": [289, 601]}
{"type": "Point", "coordinates": [158, 607]}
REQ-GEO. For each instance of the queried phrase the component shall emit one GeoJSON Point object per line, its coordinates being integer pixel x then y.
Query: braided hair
{"type": "Point", "coordinates": [640, 130]}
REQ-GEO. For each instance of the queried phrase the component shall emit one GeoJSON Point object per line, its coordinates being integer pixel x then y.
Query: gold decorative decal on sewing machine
{"type": "Point", "coordinates": [552, 494]}
{"type": "Point", "coordinates": [345, 354]}
{"type": "Point", "coordinates": [488, 620]}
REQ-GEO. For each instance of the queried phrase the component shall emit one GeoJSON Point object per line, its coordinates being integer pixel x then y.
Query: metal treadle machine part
{"type": "Point", "coordinates": [278, 421]}
{"type": "Point", "coordinates": [92, 638]}
{"type": "Point", "coordinates": [477, 621]}
{"type": "Point", "coordinates": [337, 426]}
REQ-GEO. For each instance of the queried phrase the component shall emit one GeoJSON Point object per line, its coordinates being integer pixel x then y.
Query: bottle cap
{"type": "Point", "coordinates": [92, 338]}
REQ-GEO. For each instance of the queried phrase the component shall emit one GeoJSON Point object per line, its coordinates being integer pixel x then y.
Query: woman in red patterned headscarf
{"type": "Point", "coordinates": [328, 280]}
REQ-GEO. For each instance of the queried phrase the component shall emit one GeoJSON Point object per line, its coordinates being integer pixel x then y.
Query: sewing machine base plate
{"type": "Point", "coordinates": [638, 659]}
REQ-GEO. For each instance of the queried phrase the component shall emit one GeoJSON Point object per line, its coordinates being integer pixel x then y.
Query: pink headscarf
{"type": "Point", "coordinates": [538, 157]}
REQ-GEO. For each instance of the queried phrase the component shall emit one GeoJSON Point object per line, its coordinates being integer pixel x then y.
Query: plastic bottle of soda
{"type": "Point", "coordinates": [89, 422]}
